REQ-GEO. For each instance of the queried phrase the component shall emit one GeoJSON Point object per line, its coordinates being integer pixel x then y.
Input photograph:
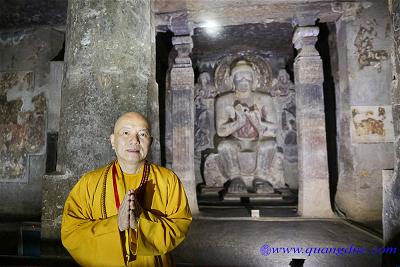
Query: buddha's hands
{"type": "Point", "coordinates": [126, 214]}
{"type": "Point", "coordinates": [255, 118]}
{"type": "Point", "coordinates": [240, 113]}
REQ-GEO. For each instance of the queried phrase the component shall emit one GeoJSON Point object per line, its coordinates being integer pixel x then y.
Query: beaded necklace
{"type": "Point", "coordinates": [139, 192]}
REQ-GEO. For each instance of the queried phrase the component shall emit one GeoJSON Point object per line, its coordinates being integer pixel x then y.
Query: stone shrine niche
{"type": "Point", "coordinates": [245, 129]}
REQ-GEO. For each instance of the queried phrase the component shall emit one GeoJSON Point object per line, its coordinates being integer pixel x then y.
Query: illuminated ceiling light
{"type": "Point", "coordinates": [211, 27]}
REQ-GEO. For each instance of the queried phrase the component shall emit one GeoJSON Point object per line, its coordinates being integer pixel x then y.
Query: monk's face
{"type": "Point", "coordinates": [131, 139]}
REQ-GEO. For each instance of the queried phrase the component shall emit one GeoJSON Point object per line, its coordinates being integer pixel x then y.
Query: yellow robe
{"type": "Point", "coordinates": [89, 229]}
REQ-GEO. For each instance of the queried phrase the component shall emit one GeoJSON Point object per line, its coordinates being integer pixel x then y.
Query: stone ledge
{"type": "Point", "coordinates": [56, 188]}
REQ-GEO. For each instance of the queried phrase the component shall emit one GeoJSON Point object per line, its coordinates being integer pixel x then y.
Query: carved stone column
{"type": "Point", "coordinates": [391, 178]}
{"type": "Point", "coordinates": [109, 61]}
{"type": "Point", "coordinates": [391, 210]}
{"type": "Point", "coordinates": [314, 196]}
{"type": "Point", "coordinates": [182, 95]}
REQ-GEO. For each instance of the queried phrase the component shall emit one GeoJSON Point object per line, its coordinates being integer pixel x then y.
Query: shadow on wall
{"type": "Point", "coordinates": [392, 259]}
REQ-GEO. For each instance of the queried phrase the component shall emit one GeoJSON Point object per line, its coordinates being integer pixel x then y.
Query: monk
{"type": "Point", "coordinates": [129, 212]}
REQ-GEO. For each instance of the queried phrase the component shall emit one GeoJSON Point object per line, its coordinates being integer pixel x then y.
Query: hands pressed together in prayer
{"type": "Point", "coordinates": [243, 112]}
{"type": "Point", "coordinates": [240, 114]}
{"type": "Point", "coordinates": [126, 213]}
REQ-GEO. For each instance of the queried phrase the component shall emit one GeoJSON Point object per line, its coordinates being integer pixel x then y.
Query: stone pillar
{"type": "Point", "coordinates": [391, 178]}
{"type": "Point", "coordinates": [108, 72]}
{"type": "Point", "coordinates": [182, 95]}
{"type": "Point", "coordinates": [363, 76]}
{"type": "Point", "coordinates": [314, 196]}
{"type": "Point", "coordinates": [391, 208]}
{"type": "Point", "coordinates": [153, 108]}
{"type": "Point", "coordinates": [108, 57]}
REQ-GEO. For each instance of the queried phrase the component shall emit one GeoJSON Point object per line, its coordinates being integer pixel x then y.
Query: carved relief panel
{"type": "Point", "coordinates": [245, 133]}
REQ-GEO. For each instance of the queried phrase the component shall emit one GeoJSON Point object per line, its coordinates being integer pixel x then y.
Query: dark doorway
{"type": "Point", "coordinates": [163, 48]}
{"type": "Point", "coordinates": [324, 49]}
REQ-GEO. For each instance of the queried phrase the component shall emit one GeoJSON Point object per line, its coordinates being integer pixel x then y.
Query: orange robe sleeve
{"type": "Point", "coordinates": [159, 233]}
{"type": "Point", "coordinates": [90, 242]}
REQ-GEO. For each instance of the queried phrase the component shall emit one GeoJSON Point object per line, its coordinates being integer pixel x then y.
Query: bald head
{"type": "Point", "coordinates": [131, 140]}
{"type": "Point", "coordinates": [131, 118]}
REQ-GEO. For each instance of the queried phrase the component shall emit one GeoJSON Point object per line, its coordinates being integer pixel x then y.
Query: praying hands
{"type": "Point", "coordinates": [126, 213]}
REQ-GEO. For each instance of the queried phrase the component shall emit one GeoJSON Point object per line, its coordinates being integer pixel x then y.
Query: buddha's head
{"type": "Point", "coordinates": [242, 75]}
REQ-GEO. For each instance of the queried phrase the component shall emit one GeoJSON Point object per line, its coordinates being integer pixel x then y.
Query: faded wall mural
{"type": "Point", "coordinates": [22, 124]}
{"type": "Point", "coordinates": [372, 124]}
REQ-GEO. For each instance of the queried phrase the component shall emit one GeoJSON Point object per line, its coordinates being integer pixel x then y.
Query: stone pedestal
{"type": "Point", "coordinates": [182, 95]}
{"type": "Point", "coordinates": [108, 72]}
{"type": "Point", "coordinates": [314, 195]}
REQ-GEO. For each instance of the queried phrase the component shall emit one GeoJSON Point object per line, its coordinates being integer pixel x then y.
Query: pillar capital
{"type": "Point", "coordinates": [305, 18]}
{"type": "Point", "coordinates": [308, 64]}
{"type": "Point", "coordinates": [183, 45]}
{"type": "Point", "coordinates": [306, 37]}
{"type": "Point", "coordinates": [179, 24]}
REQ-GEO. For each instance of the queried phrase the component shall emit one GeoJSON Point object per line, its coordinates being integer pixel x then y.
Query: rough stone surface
{"type": "Point", "coordinates": [359, 193]}
{"type": "Point", "coordinates": [26, 13]}
{"type": "Point", "coordinates": [22, 131]}
{"type": "Point", "coordinates": [22, 13]}
{"type": "Point", "coordinates": [272, 38]}
{"type": "Point", "coordinates": [242, 242]}
{"type": "Point", "coordinates": [30, 49]}
{"type": "Point", "coordinates": [182, 113]}
{"type": "Point", "coordinates": [153, 114]}
{"type": "Point", "coordinates": [54, 104]}
{"type": "Point", "coordinates": [314, 194]}
{"type": "Point", "coordinates": [109, 71]}
{"type": "Point", "coordinates": [365, 42]}
{"type": "Point", "coordinates": [372, 124]}
{"type": "Point", "coordinates": [54, 193]}
{"type": "Point", "coordinates": [391, 181]}
{"type": "Point", "coordinates": [22, 201]}
{"type": "Point", "coordinates": [25, 92]}
{"type": "Point", "coordinates": [391, 211]}
{"type": "Point", "coordinates": [199, 13]}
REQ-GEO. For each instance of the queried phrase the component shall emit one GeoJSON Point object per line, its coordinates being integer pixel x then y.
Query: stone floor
{"type": "Point", "coordinates": [239, 241]}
